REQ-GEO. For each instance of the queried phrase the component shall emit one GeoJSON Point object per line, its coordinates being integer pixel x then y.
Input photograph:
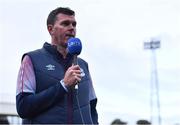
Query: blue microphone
{"type": "Point", "coordinates": [74, 47]}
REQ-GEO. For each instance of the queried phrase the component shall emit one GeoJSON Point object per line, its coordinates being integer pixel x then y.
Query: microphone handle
{"type": "Point", "coordinates": [75, 62]}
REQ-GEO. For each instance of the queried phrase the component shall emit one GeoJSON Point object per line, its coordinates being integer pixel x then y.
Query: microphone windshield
{"type": "Point", "coordinates": [74, 46]}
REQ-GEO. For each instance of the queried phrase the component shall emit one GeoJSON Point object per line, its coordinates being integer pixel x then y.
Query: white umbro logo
{"type": "Point", "coordinates": [50, 67]}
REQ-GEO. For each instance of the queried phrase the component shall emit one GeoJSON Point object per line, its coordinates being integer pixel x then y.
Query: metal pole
{"type": "Point", "coordinates": [154, 85]}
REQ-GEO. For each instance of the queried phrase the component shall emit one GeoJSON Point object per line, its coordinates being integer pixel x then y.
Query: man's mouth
{"type": "Point", "coordinates": [69, 35]}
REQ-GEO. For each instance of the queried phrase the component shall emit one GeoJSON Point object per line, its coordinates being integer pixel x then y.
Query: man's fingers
{"type": "Point", "coordinates": [77, 71]}
{"type": "Point", "coordinates": [75, 67]}
{"type": "Point", "coordinates": [73, 75]}
{"type": "Point", "coordinates": [78, 79]}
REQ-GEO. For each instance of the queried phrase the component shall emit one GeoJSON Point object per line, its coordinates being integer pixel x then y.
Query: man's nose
{"type": "Point", "coordinates": [72, 26]}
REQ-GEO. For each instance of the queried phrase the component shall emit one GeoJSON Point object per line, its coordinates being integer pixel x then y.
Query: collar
{"type": "Point", "coordinates": [52, 49]}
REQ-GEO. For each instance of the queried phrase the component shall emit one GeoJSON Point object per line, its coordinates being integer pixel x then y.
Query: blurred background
{"type": "Point", "coordinates": [113, 34]}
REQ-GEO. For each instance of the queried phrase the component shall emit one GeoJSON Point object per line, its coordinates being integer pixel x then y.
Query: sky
{"type": "Point", "coordinates": [112, 33]}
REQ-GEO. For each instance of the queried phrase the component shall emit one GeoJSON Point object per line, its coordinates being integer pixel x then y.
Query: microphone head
{"type": "Point", "coordinates": [74, 46]}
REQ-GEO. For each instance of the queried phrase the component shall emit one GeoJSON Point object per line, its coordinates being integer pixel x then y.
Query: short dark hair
{"type": "Point", "coordinates": [52, 15]}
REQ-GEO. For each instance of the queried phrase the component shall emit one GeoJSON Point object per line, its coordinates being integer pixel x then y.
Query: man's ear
{"type": "Point", "coordinates": [50, 29]}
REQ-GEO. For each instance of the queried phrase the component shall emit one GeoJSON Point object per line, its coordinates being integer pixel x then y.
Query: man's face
{"type": "Point", "coordinates": [63, 28]}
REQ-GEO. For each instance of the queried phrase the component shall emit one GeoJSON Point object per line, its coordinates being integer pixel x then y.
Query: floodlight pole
{"type": "Point", "coordinates": [153, 45]}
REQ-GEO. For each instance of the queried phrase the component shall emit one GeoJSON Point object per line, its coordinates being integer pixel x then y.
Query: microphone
{"type": "Point", "coordinates": [74, 47]}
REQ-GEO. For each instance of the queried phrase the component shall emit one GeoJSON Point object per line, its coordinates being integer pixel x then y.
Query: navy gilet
{"type": "Point", "coordinates": [49, 68]}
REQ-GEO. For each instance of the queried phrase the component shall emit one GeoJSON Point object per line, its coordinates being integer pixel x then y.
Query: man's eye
{"type": "Point", "coordinates": [66, 23]}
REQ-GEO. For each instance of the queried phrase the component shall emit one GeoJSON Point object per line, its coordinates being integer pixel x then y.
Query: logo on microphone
{"type": "Point", "coordinates": [74, 46]}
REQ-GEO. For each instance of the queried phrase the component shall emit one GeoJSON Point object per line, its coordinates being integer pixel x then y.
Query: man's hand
{"type": "Point", "coordinates": [72, 76]}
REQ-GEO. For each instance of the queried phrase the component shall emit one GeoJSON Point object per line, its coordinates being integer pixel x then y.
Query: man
{"type": "Point", "coordinates": [46, 79]}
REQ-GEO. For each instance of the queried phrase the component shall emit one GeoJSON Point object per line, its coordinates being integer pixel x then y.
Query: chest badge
{"type": "Point", "coordinates": [82, 72]}
{"type": "Point", "coordinates": [50, 67]}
